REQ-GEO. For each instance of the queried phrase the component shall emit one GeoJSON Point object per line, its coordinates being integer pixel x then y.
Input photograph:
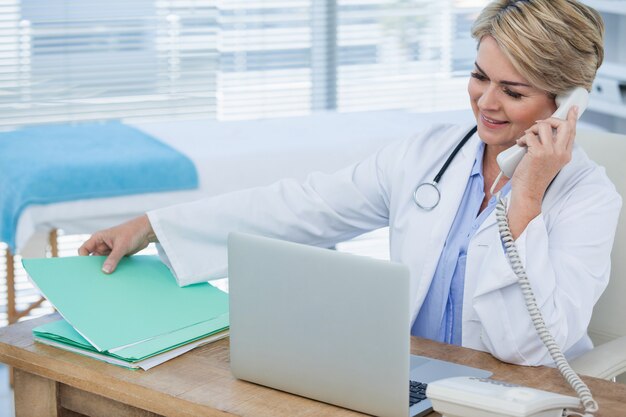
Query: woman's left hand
{"type": "Point", "coordinates": [549, 144]}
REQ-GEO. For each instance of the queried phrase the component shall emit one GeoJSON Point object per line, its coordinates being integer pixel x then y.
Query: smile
{"type": "Point", "coordinates": [492, 123]}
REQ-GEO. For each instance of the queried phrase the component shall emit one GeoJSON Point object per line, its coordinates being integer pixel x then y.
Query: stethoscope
{"type": "Point", "coordinates": [427, 194]}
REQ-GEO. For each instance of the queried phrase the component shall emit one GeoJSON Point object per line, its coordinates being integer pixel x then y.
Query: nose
{"type": "Point", "coordinates": [488, 99]}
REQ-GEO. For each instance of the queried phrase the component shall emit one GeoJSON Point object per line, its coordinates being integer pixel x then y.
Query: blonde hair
{"type": "Point", "coordinates": [555, 44]}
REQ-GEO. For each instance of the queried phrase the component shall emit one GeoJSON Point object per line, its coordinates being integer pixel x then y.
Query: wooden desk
{"type": "Point", "coordinates": [52, 382]}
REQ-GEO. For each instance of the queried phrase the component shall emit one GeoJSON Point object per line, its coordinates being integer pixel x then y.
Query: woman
{"type": "Point", "coordinates": [562, 209]}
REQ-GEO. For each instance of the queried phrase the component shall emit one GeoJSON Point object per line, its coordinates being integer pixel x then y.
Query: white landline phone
{"type": "Point", "coordinates": [480, 397]}
{"type": "Point", "coordinates": [509, 159]}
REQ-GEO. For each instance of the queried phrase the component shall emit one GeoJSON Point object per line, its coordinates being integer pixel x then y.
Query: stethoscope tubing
{"type": "Point", "coordinates": [423, 195]}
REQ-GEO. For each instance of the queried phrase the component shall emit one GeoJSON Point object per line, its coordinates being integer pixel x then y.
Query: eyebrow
{"type": "Point", "coordinates": [514, 83]}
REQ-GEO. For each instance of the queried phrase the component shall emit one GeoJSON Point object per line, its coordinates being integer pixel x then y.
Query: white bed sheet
{"type": "Point", "coordinates": [236, 155]}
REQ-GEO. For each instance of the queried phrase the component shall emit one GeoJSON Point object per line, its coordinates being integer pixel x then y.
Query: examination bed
{"type": "Point", "coordinates": [227, 156]}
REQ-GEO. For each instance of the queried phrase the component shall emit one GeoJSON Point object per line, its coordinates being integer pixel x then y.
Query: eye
{"type": "Point", "coordinates": [478, 76]}
{"type": "Point", "coordinates": [512, 93]}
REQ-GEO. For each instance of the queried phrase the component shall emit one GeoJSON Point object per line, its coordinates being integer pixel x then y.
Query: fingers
{"type": "Point", "coordinates": [544, 131]}
{"type": "Point", "coordinates": [553, 147]}
{"type": "Point", "coordinates": [523, 141]}
{"type": "Point", "coordinates": [572, 118]}
{"type": "Point", "coordinates": [565, 129]}
{"type": "Point", "coordinates": [101, 244]}
{"type": "Point", "coordinates": [125, 239]}
{"type": "Point", "coordinates": [562, 132]}
{"type": "Point", "coordinates": [531, 140]}
{"type": "Point", "coordinates": [95, 245]}
{"type": "Point", "coordinates": [88, 247]}
{"type": "Point", "coordinates": [110, 263]}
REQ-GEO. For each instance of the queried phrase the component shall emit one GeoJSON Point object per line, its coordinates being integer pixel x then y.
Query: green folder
{"type": "Point", "coordinates": [62, 335]}
{"type": "Point", "coordinates": [62, 332]}
{"type": "Point", "coordinates": [137, 312]}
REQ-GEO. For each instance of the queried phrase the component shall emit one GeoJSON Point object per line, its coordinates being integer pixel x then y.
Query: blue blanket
{"type": "Point", "coordinates": [50, 164]}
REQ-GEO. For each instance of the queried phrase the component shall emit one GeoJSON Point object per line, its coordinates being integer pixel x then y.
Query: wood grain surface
{"type": "Point", "coordinates": [199, 383]}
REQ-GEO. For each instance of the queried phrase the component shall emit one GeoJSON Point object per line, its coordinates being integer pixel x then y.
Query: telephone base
{"type": "Point", "coordinates": [485, 397]}
{"type": "Point", "coordinates": [464, 412]}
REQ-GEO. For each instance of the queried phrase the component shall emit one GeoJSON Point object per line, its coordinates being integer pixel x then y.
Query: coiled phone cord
{"type": "Point", "coordinates": [590, 405]}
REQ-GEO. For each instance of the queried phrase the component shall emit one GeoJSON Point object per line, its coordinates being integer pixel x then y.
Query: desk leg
{"type": "Point", "coordinates": [35, 396]}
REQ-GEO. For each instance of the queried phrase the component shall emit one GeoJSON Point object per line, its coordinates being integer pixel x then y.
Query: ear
{"type": "Point", "coordinates": [551, 104]}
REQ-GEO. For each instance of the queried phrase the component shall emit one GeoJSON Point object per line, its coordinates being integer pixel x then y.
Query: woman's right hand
{"type": "Point", "coordinates": [126, 239]}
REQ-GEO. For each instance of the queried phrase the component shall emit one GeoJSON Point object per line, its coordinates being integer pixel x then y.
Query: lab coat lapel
{"type": "Point", "coordinates": [490, 222]}
{"type": "Point", "coordinates": [452, 186]}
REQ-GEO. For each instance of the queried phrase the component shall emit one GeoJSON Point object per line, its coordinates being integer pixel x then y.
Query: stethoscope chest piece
{"type": "Point", "coordinates": [427, 195]}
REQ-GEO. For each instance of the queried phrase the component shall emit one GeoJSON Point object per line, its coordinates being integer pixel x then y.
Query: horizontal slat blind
{"type": "Point", "coordinates": [404, 54]}
{"type": "Point", "coordinates": [265, 58]}
{"type": "Point", "coordinates": [70, 60]}
{"type": "Point", "coordinates": [65, 60]}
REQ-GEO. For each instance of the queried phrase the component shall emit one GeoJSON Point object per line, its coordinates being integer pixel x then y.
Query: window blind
{"type": "Point", "coordinates": [70, 60]}
{"type": "Point", "coordinates": [66, 60]}
{"type": "Point", "coordinates": [403, 54]}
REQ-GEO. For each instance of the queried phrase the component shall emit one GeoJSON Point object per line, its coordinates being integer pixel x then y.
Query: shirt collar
{"type": "Point", "coordinates": [477, 168]}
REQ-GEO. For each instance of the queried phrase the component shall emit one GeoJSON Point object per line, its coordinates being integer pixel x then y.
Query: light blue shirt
{"type": "Point", "coordinates": [440, 316]}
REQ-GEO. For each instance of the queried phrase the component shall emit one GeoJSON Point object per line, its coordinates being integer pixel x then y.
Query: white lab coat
{"type": "Point", "coordinates": [565, 250]}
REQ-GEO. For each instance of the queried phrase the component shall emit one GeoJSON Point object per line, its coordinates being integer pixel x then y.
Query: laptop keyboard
{"type": "Point", "coordinates": [417, 392]}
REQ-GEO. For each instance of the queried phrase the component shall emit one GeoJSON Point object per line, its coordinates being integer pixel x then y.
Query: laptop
{"type": "Point", "coordinates": [327, 325]}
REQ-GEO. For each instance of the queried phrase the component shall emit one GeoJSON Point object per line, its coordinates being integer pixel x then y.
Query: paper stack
{"type": "Point", "coordinates": [137, 317]}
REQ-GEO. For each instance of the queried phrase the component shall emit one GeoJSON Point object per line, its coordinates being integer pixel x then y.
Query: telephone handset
{"type": "Point", "coordinates": [509, 159]}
